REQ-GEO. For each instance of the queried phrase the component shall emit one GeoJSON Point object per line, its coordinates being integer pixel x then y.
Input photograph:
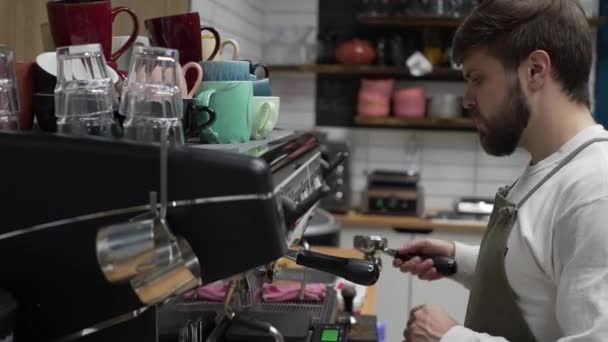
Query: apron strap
{"type": "Point", "coordinates": [510, 187]}
{"type": "Point", "coordinates": [557, 168]}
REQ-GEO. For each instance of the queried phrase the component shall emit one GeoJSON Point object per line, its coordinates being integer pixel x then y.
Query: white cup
{"type": "Point", "coordinates": [265, 115]}
{"type": "Point", "coordinates": [418, 64]}
{"type": "Point", "coordinates": [208, 44]}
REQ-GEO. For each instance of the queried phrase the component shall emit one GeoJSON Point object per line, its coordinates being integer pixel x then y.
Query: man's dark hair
{"type": "Point", "coordinates": [511, 30]}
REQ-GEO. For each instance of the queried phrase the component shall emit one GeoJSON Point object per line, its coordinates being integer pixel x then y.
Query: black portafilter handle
{"type": "Point", "coordinates": [358, 271]}
{"type": "Point", "coordinates": [293, 211]}
{"type": "Point", "coordinates": [329, 167]}
{"type": "Point", "coordinates": [446, 266]}
{"type": "Point", "coordinates": [348, 294]}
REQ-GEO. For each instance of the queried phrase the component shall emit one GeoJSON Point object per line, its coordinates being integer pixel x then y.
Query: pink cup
{"type": "Point", "coordinates": [371, 104]}
{"type": "Point", "coordinates": [183, 84]}
{"type": "Point", "coordinates": [381, 87]}
{"type": "Point", "coordinates": [410, 103]}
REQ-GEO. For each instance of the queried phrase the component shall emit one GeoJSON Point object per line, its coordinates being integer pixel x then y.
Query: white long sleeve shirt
{"type": "Point", "coordinates": [557, 259]}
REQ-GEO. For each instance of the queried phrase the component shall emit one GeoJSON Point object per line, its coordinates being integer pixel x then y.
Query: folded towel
{"type": "Point", "coordinates": [285, 292]}
{"type": "Point", "coordinates": [214, 292]}
{"type": "Point", "coordinates": [271, 293]}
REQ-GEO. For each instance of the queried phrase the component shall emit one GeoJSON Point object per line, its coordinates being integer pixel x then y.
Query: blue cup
{"type": "Point", "coordinates": [225, 71]}
{"type": "Point", "coordinates": [262, 87]}
{"type": "Point", "coordinates": [254, 67]}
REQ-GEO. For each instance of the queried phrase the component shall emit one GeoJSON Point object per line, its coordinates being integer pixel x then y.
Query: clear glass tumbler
{"type": "Point", "coordinates": [9, 99]}
{"type": "Point", "coordinates": [151, 98]}
{"type": "Point", "coordinates": [83, 95]}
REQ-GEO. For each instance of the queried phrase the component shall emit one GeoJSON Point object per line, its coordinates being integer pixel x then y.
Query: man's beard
{"type": "Point", "coordinates": [500, 133]}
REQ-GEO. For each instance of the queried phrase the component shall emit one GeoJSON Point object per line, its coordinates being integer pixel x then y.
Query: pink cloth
{"type": "Point", "coordinates": [285, 292]}
{"type": "Point", "coordinates": [214, 292]}
{"type": "Point", "coordinates": [272, 293]}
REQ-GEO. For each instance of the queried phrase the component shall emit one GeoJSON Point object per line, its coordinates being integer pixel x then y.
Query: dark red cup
{"type": "Point", "coordinates": [181, 32]}
{"type": "Point", "coordinates": [25, 89]}
{"type": "Point", "coordinates": [77, 23]}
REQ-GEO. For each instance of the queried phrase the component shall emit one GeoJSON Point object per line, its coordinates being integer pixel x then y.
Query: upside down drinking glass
{"type": "Point", "coordinates": [83, 95]}
{"type": "Point", "coordinates": [9, 101]}
{"type": "Point", "coordinates": [151, 99]}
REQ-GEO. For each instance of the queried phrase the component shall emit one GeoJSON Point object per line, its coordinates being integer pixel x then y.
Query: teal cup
{"type": "Point", "coordinates": [214, 71]}
{"type": "Point", "coordinates": [262, 87]}
{"type": "Point", "coordinates": [232, 103]}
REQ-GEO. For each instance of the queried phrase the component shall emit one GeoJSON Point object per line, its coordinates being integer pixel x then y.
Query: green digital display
{"type": "Point", "coordinates": [330, 335]}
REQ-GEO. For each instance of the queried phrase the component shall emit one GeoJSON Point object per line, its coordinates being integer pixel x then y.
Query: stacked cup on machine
{"type": "Point", "coordinates": [241, 100]}
{"type": "Point", "coordinates": [9, 101]}
{"type": "Point", "coordinates": [73, 26]}
{"type": "Point", "coordinates": [83, 95]}
{"type": "Point", "coordinates": [223, 99]}
{"type": "Point", "coordinates": [152, 98]}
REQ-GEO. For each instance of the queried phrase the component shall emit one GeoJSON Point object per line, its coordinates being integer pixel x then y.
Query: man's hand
{"type": "Point", "coordinates": [424, 269]}
{"type": "Point", "coordinates": [428, 323]}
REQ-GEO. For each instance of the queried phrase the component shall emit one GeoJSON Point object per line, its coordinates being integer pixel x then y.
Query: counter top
{"type": "Point", "coordinates": [354, 218]}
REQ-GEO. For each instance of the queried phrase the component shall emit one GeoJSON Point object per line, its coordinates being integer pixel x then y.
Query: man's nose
{"type": "Point", "coordinates": [468, 102]}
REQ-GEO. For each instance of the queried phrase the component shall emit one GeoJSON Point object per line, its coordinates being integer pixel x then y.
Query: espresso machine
{"type": "Point", "coordinates": [90, 253]}
{"type": "Point", "coordinates": [299, 172]}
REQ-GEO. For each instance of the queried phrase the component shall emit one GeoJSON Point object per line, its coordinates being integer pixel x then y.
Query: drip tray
{"type": "Point", "coordinates": [324, 311]}
{"type": "Point", "coordinates": [293, 319]}
{"type": "Point", "coordinates": [294, 327]}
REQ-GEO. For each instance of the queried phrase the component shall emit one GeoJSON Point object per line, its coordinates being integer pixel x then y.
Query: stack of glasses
{"type": "Point", "coordinates": [86, 99]}
{"type": "Point", "coordinates": [9, 101]}
{"type": "Point", "coordinates": [151, 98]}
{"type": "Point", "coordinates": [83, 95]}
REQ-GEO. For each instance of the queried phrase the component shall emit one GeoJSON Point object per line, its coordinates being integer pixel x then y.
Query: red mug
{"type": "Point", "coordinates": [88, 23]}
{"type": "Point", "coordinates": [181, 32]}
{"type": "Point", "coordinates": [25, 90]}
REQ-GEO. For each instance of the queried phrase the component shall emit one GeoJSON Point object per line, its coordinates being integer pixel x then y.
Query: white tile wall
{"type": "Point", "coordinates": [290, 13]}
{"type": "Point", "coordinates": [241, 20]}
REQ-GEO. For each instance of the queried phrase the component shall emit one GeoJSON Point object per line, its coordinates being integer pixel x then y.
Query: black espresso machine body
{"type": "Point", "coordinates": [59, 191]}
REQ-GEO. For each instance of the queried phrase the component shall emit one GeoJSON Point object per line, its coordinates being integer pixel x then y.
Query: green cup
{"type": "Point", "coordinates": [232, 103]}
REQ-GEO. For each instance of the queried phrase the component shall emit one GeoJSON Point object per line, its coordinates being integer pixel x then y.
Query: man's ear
{"type": "Point", "coordinates": [537, 70]}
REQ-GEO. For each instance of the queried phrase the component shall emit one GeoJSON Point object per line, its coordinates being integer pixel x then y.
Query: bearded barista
{"type": "Point", "coordinates": [541, 271]}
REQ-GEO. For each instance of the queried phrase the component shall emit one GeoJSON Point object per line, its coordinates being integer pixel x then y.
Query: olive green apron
{"type": "Point", "coordinates": [493, 307]}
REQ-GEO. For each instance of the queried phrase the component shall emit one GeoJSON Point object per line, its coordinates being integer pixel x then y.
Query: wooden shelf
{"type": "Point", "coordinates": [442, 74]}
{"type": "Point", "coordinates": [412, 223]}
{"type": "Point", "coordinates": [430, 21]}
{"type": "Point", "coordinates": [424, 123]}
